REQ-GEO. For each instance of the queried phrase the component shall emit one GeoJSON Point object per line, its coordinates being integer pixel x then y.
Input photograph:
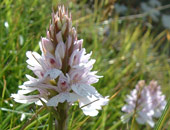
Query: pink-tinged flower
{"type": "Point", "coordinates": [144, 102]}
{"type": "Point", "coordinates": [63, 70]}
{"type": "Point", "coordinates": [158, 99]}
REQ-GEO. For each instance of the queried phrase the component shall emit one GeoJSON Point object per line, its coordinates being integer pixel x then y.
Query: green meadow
{"type": "Point", "coordinates": [126, 50]}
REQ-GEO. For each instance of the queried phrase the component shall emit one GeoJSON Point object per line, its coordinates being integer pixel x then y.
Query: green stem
{"type": "Point", "coordinates": [51, 122]}
{"type": "Point", "coordinates": [62, 110]}
{"type": "Point", "coordinates": [136, 106]}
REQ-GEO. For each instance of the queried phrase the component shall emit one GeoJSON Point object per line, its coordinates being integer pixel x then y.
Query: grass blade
{"type": "Point", "coordinates": [162, 119]}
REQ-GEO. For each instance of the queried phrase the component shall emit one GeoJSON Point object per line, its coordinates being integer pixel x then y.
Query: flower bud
{"type": "Point", "coordinates": [47, 45]}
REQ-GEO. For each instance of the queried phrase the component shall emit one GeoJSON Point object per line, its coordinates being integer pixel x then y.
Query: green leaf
{"type": "Point", "coordinates": [163, 117]}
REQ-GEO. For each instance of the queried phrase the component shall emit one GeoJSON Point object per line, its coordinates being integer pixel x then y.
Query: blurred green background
{"type": "Point", "coordinates": [128, 46]}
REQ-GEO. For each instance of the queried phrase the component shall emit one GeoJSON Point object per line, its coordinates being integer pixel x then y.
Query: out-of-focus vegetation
{"type": "Point", "coordinates": [127, 48]}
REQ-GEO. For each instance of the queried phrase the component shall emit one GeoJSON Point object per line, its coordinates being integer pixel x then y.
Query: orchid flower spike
{"type": "Point", "coordinates": [63, 70]}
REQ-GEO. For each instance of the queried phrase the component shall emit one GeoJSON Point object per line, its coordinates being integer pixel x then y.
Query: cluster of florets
{"type": "Point", "coordinates": [63, 69]}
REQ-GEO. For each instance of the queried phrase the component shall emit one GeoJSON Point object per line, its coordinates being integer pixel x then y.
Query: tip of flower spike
{"type": "Point", "coordinates": [141, 83]}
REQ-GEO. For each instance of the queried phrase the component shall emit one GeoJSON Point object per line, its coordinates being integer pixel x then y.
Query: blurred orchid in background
{"type": "Point", "coordinates": [145, 102]}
